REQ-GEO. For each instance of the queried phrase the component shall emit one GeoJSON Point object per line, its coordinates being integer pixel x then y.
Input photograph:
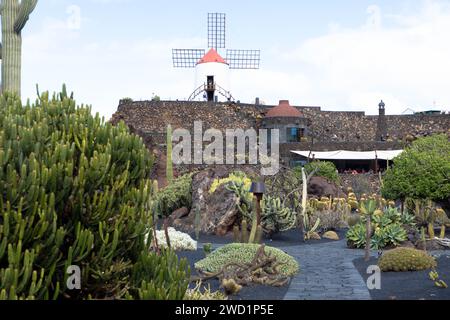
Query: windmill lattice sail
{"type": "Point", "coordinates": [212, 70]}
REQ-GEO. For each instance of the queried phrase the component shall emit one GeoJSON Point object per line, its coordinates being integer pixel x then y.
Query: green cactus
{"type": "Point", "coordinates": [276, 217]}
{"type": "Point", "coordinates": [406, 259]}
{"type": "Point", "coordinates": [236, 234]}
{"type": "Point", "coordinates": [15, 15]}
{"type": "Point", "coordinates": [244, 232]}
{"type": "Point", "coordinates": [169, 164]}
{"type": "Point", "coordinates": [197, 223]}
{"type": "Point", "coordinates": [74, 190]}
{"type": "Point", "coordinates": [259, 234]}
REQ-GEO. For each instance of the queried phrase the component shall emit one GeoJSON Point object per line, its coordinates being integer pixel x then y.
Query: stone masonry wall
{"type": "Point", "coordinates": [331, 130]}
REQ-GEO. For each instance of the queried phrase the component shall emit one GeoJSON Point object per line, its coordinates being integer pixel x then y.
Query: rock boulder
{"type": "Point", "coordinates": [322, 187]}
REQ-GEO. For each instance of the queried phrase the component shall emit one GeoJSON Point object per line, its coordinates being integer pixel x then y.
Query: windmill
{"type": "Point", "coordinates": [212, 71]}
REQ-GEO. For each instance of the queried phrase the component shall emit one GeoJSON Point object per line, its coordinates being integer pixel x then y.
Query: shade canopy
{"type": "Point", "coordinates": [350, 155]}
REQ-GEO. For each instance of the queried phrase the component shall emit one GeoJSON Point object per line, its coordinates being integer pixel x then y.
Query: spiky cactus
{"type": "Point", "coordinates": [276, 217]}
{"type": "Point", "coordinates": [14, 14]}
{"type": "Point", "coordinates": [74, 191]}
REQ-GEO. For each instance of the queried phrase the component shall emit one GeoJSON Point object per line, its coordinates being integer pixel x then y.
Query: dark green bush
{"type": "Point", "coordinates": [74, 191]}
{"type": "Point", "coordinates": [421, 172]}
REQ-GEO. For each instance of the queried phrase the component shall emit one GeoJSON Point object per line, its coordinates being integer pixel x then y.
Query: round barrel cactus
{"type": "Point", "coordinates": [75, 199]}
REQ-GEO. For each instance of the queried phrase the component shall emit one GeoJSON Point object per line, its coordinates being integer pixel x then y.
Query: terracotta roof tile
{"type": "Point", "coordinates": [284, 109]}
{"type": "Point", "coordinates": [212, 56]}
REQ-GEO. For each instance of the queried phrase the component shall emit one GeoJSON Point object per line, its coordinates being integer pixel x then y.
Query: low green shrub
{"type": "Point", "coordinates": [406, 259]}
{"type": "Point", "coordinates": [245, 253]}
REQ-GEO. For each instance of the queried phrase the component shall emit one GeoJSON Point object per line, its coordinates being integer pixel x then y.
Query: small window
{"type": "Point", "coordinates": [295, 134]}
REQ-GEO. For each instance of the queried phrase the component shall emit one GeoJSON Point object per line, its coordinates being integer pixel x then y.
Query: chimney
{"type": "Point", "coordinates": [382, 124]}
{"type": "Point", "coordinates": [381, 108]}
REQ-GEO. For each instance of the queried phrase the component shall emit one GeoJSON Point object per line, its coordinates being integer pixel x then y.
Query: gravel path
{"type": "Point", "coordinates": [326, 273]}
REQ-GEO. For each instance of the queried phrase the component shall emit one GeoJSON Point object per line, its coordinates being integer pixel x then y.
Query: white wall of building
{"type": "Point", "coordinates": [221, 73]}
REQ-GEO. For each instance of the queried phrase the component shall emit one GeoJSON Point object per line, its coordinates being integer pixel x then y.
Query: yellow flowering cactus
{"type": "Point", "coordinates": [234, 177]}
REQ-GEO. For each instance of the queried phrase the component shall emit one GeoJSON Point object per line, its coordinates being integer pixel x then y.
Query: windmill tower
{"type": "Point", "coordinates": [212, 71]}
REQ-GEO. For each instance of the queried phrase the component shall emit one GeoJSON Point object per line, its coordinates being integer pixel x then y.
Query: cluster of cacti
{"type": "Point", "coordinates": [276, 217]}
{"type": "Point", "coordinates": [353, 201]}
{"type": "Point", "coordinates": [331, 204]}
{"type": "Point", "coordinates": [74, 191]}
{"type": "Point", "coordinates": [241, 235]}
{"type": "Point", "coordinates": [428, 215]}
{"type": "Point", "coordinates": [349, 203]}
{"type": "Point", "coordinates": [15, 15]}
{"type": "Point", "coordinates": [406, 259]}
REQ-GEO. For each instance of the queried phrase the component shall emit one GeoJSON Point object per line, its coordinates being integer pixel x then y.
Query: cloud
{"type": "Point", "coordinates": [399, 57]}
{"type": "Point", "coordinates": [405, 63]}
{"type": "Point", "coordinates": [102, 72]}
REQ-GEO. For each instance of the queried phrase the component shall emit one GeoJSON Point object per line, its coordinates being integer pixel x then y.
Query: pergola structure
{"type": "Point", "coordinates": [344, 159]}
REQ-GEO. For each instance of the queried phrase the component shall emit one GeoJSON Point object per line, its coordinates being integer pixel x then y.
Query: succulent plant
{"type": "Point", "coordinates": [406, 259]}
{"type": "Point", "coordinates": [244, 253]}
{"type": "Point", "coordinates": [356, 235]}
{"type": "Point", "coordinates": [276, 217]}
{"type": "Point", "coordinates": [75, 190]}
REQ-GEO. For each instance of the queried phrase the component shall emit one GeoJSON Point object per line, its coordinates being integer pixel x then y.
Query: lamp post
{"type": "Point", "coordinates": [258, 189]}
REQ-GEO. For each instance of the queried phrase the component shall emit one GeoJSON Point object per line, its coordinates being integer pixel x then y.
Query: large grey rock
{"type": "Point", "coordinates": [218, 211]}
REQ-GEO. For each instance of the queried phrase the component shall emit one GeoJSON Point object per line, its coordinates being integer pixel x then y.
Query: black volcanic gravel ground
{"type": "Point", "coordinates": [408, 285]}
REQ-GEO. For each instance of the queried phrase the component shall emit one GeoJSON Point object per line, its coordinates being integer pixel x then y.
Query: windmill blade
{"type": "Point", "coordinates": [216, 30]}
{"type": "Point", "coordinates": [186, 58]}
{"type": "Point", "coordinates": [243, 59]}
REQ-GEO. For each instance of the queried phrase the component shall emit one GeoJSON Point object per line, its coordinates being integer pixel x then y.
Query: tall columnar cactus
{"type": "Point", "coordinates": [15, 15]}
{"type": "Point", "coordinates": [169, 164]}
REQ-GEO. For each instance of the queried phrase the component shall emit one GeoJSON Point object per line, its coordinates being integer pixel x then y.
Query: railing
{"type": "Point", "coordinates": [205, 88]}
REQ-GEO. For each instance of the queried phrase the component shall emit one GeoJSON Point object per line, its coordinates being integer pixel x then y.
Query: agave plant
{"type": "Point", "coordinates": [395, 234]}
{"type": "Point", "coordinates": [357, 235]}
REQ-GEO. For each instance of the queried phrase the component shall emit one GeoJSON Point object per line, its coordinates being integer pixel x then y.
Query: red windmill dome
{"type": "Point", "coordinates": [212, 56]}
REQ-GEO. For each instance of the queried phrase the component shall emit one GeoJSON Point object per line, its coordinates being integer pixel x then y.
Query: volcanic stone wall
{"type": "Point", "coordinates": [330, 130]}
{"type": "Point", "coordinates": [151, 118]}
